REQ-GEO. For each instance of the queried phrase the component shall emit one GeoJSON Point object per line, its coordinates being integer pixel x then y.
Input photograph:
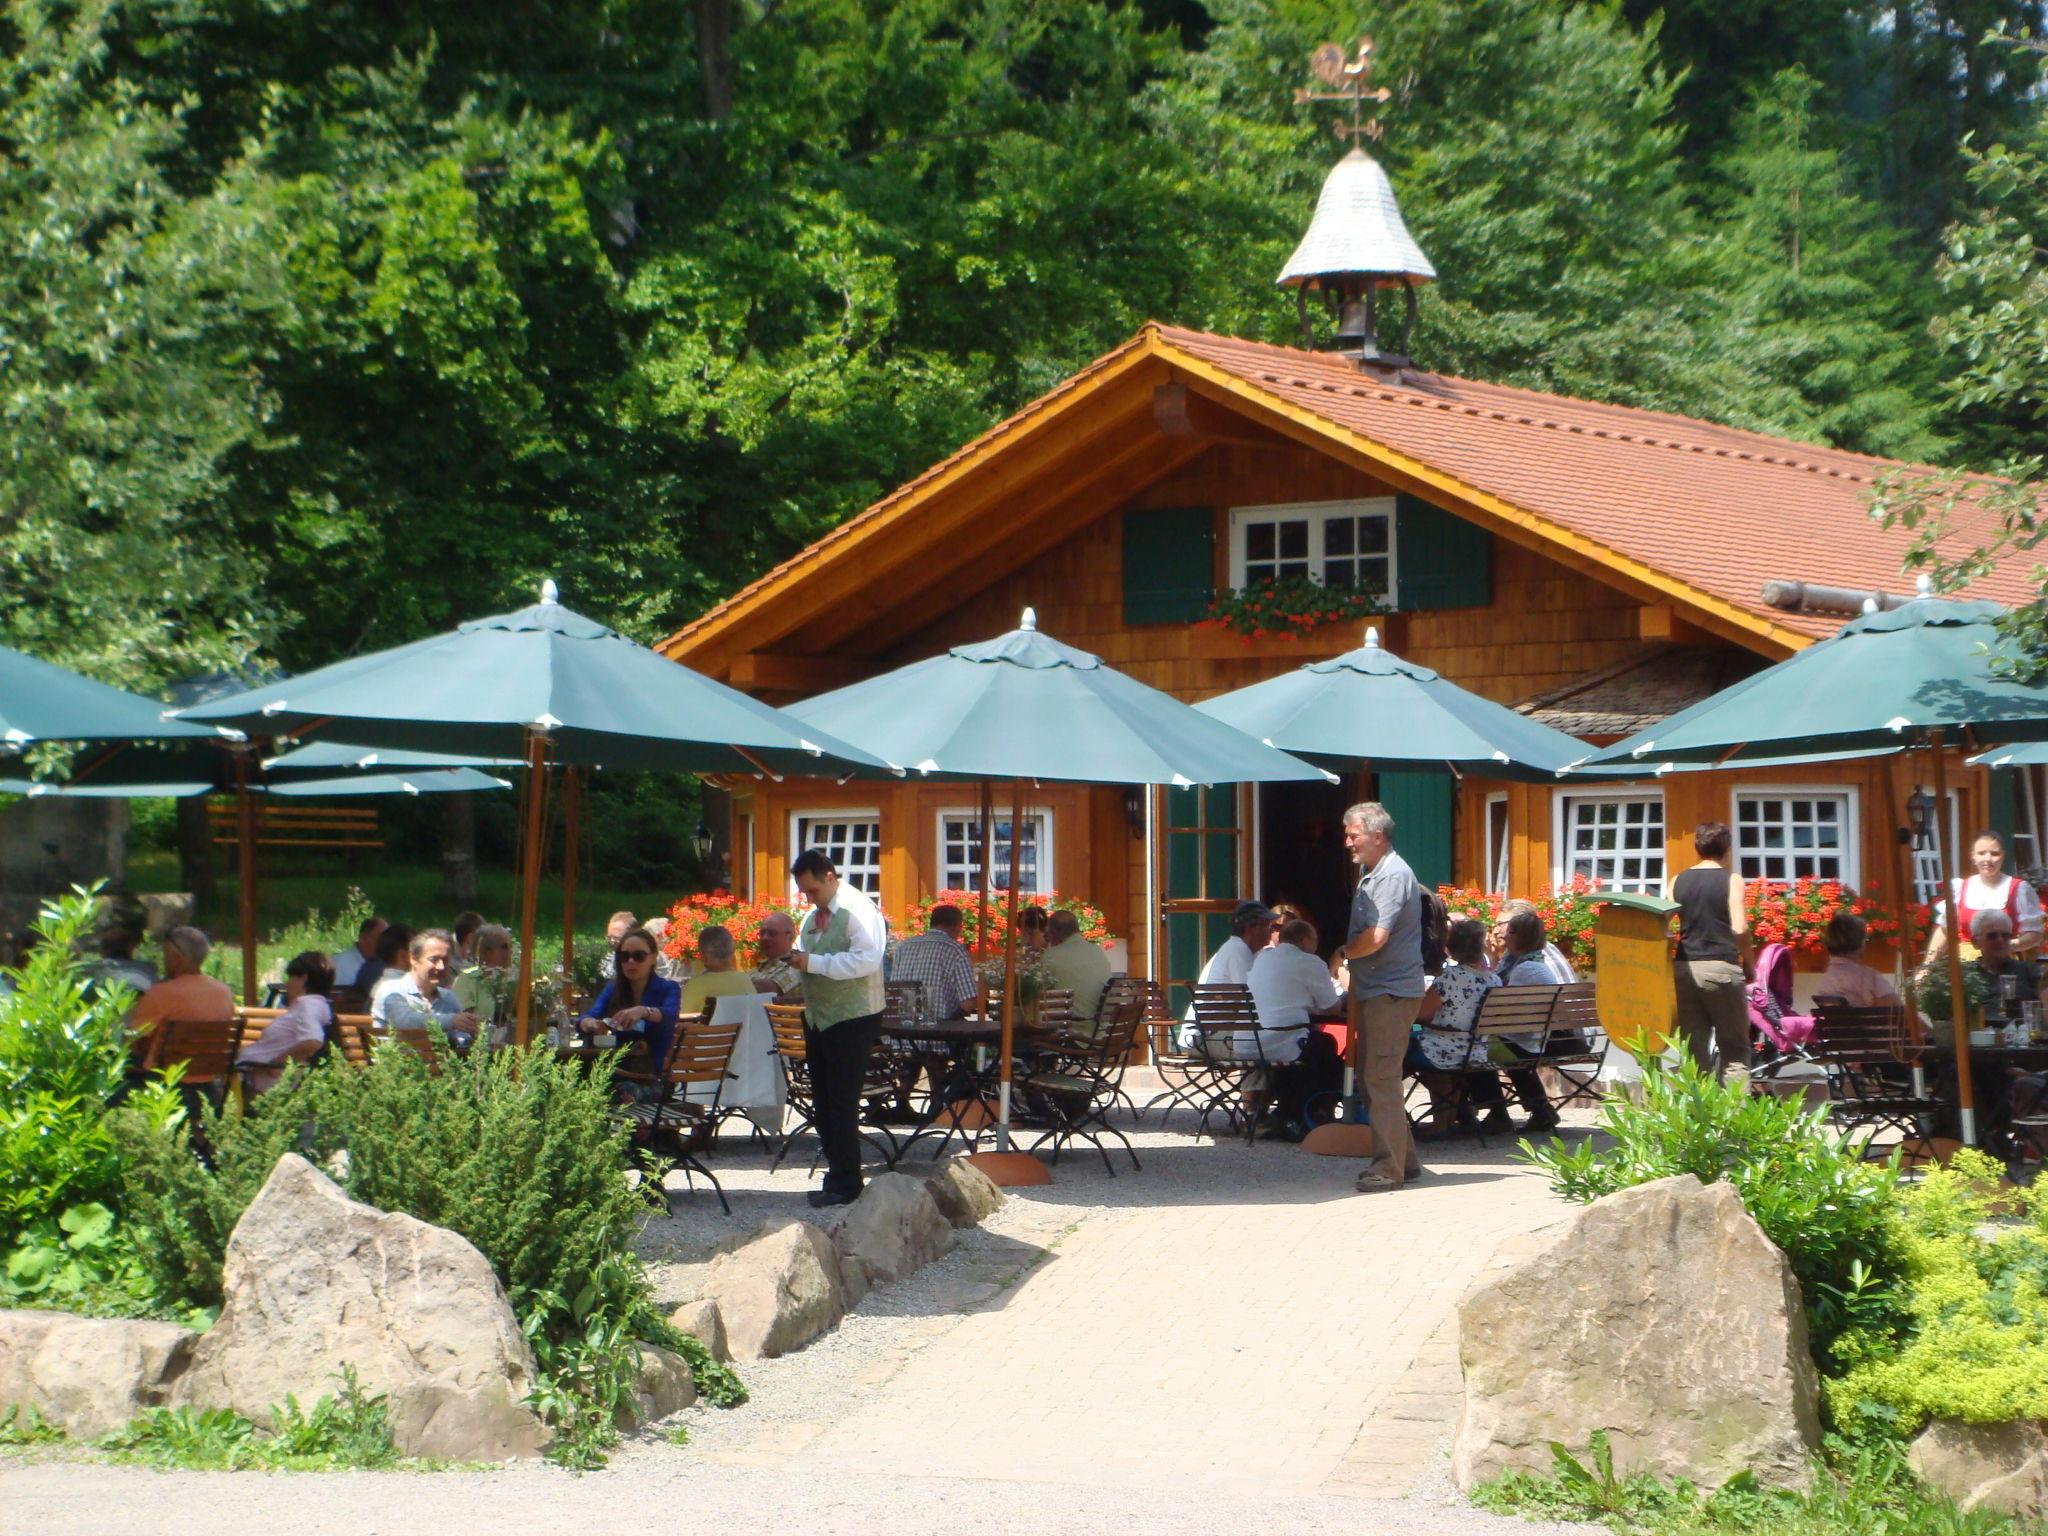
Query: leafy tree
{"type": "Point", "coordinates": [1816, 294]}
{"type": "Point", "coordinates": [122, 308]}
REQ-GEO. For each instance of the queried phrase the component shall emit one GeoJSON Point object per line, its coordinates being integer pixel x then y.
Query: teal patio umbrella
{"type": "Point", "coordinates": [42, 702]}
{"type": "Point", "coordinates": [547, 687]}
{"type": "Point", "coordinates": [1023, 706]}
{"type": "Point", "coordinates": [1370, 705]}
{"type": "Point", "coordinates": [1922, 676]}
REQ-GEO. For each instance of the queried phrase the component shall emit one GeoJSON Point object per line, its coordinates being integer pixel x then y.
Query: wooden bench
{"type": "Point", "coordinates": [299, 826]}
{"type": "Point", "coordinates": [348, 1040]}
{"type": "Point", "coordinates": [1549, 1023]}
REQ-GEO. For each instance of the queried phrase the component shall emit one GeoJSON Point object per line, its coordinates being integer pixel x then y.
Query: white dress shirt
{"type": "Point", "coordinates": [1288, 985]}
{"type": "Point", "coordinates": [867, 937]}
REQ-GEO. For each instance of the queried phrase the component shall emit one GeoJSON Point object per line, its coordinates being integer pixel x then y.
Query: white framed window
{"type": "Point", "coordinates": [1616, 839]}
{"type": "Point", "coordinates": [1497, 842]}
{"type": "Point", "coordinates": [1928, 884]}
{"type": "Point", "coordinates": [960, 851]}
{"type": "Point", "coordinates": [1346, 544]}
{"type": "Point", "coordinates": [1785, 834]}
{"type": "Point", "coordinates": [853, 839]}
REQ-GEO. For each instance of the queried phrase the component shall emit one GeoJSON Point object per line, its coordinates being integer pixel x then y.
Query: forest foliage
{"type": "Point", "coordinates": [328, 323]}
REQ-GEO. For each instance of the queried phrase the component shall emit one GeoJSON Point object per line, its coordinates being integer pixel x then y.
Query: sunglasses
{"type": "Point", "coordinates": [635, 954]}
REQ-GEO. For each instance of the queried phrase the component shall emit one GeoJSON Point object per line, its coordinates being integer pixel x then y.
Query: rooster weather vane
{"type": "Point", "coordinates": [1345, 79]}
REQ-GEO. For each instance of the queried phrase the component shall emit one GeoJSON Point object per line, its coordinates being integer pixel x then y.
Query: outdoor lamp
{"type": "Point", "coordinates": [700, 842]}
{"type": "Point", "coordinates": [1134, 810]}
{"type": "Point", "coordinates": [1920, 817]}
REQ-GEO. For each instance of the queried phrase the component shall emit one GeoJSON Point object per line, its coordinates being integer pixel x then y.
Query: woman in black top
{"type": "Point", "coordinates": [1714, 955]}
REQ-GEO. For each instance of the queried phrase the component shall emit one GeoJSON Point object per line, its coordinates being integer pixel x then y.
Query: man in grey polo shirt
{"type": "Point", "coordinates": [1384, 954]}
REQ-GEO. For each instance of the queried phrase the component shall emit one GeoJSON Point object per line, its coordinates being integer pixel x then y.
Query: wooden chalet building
{"type": "Point", "coordinates": [1598, 566]}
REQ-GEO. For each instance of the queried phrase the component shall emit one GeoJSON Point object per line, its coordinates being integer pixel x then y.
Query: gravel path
{"type": "Point", "coordinates": [1061, 1371]}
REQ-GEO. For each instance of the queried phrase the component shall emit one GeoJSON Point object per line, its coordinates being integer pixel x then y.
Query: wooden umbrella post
{"type": "Point", "coordinates": [988, 861]}
{"type": "Point", "coordinates": [1902, 902]}
{"type": "Point", "coordinates": [571, 804]}
{"type": "Point", "coordinates": [529, 879]}
{"type": "Point", "coordinates": [1966, 1108]}
{"type": "Point", "coordinates": [1010, 966]}
{"type": "Point", "coordinates": [245, 871]}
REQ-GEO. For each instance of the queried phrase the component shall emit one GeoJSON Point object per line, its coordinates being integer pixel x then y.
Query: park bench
{"type": "Point", "coordinates": [1552, 1023]}
{"type": "Point", "coordinates": [299, 826]}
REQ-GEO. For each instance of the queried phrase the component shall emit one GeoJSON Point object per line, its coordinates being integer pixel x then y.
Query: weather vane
{"type": "Point", "coordinates": [1346, 81]}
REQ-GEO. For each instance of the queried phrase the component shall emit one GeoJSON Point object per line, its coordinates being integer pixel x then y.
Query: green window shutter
{"type": "Point", "coordinates": [1440, 560]}
{"type": "Point", "coordinates": [1420, 803]}
{"type": "Point", "coordinates": [1169, 561]}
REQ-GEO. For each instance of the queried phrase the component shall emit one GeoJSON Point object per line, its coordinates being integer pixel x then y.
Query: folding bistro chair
{"type": "Point", "coordinates": [1873, 1072]}
{"type": "Point", "coordinates": [701, 1053]}
{"type": "Point", "coordinates": [786, 1024]}
{"type": "Point", "coordinates": [1079, 1080]}
{"type": "Point", "coordinates": [1226, 1021]}
{"type": "Point", "coordinates": [1574, 1027]}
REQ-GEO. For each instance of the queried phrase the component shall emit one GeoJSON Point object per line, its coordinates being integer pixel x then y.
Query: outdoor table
{"type": "Point", "coordinates": [945, 1048]}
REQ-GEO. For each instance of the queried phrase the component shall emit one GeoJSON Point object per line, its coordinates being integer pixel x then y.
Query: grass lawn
{"type": "Point", "coordinates": [402, 892]}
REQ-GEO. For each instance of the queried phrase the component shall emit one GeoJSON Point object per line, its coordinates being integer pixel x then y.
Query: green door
{"type": "Point", "coordinates": [1202, 857]}
{"type": "Point", "coordinates": [1420, 801]}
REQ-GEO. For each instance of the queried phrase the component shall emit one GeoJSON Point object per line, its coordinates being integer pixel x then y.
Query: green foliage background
{"type": "Point", "coordinates": [329, 322]}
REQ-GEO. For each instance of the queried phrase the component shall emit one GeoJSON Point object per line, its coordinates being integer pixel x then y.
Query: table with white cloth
{"type": "Point", "coordinates": [756, 1084]}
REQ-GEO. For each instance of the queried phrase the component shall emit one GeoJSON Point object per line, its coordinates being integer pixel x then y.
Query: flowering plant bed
{"type": "Point", "coordinates": [1567, 911]}
{"type": "Point", "coordinates": [690, 916]}
{"type": "Point", "coordinates": [1797, 915]}
{"type": "Point", "coordinates": [1294, 606]}
{"type": "Point", "coordinates": [917, 916]}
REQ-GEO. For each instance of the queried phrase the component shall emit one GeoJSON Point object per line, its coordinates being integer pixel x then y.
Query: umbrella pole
{"type": "Point", "coordinates": [1010, 965]}
{"type": "Point", "coordinates": [245, 873]}
{"type": "Point", "coordinates": [988, 861]}
{"type": "Point", "coordinates": [1902, 896]}
{"type": "Point", "coordinates": [1966, 1108]}
{"type": "Point", "coordinates": [571, 803]}
{"type": "Point", "coordinates": [529, 879]}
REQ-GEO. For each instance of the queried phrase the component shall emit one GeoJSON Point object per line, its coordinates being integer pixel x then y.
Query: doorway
{"type": "Point", "coordinates": [1302, 861]}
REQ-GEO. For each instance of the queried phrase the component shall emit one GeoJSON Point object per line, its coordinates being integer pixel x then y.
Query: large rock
{"type": "Point", "coordinates": [315, 1280]}
{"type": "Point", "coordinates": [893, 1229]}
{"type": "Point", "coordinates": [778, 1291]}
{"type": "Point", "coordinates": [1999, 1467]}
{"type": "Point", "coordinates": [1663, 1316]}
{"type": "Point", "coordinates": [662, 1386]}
{"type": "Point", "coordinates": [964, 1194]}
{"type": "Point", "coordinates": [705, 1323]}
{"type": "Point", "coordinates": [88, 1375]}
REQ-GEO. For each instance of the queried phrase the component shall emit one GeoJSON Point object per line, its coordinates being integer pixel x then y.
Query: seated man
{"type": "Point", "coordinates": [937, 961]}
{"type": "Point", "coordinates": [117, 965]}
{"type": "Point", "coordinates": [2012, 979]}
{"type": "Point", "coordinates": [1076, 965]}
{"type": "Point", "coordinates": [185, 993]}
{"type": "Point", "coordinates": [358, 967]}
{"type": "Point", "coordinates": [421, 995]}
{"type": "Point", "coordinates": [1292, 987]}
{"type": "Point", "coordinates": [1847, 977]}
{"type": "Point", "coordinates": [1251, 925]}
{"type": "Point", "coordinates": [715, 976]}
{"type": "Point", "coordinates": [783, 982]}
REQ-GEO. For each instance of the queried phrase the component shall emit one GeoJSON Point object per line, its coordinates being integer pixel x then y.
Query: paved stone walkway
{"type": "Point", "coordinates": [1230, 1338]}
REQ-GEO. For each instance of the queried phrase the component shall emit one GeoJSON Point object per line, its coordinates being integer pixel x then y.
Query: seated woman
{"type": "Point", "coordinates": [716, 975]}
{"type": "Point", "coordinates": [1524, 962]}
{"type": "Point", "coordinates": [297, 1034]}
{"type": "Point", "coordinates": [638, 1003]}
{"type": "Point", "coordinates": [1847, 977]}
{"type": "Point", "coordinates": [1442, 1043]}
{"type": "Point", "coordinates": [390, 965]}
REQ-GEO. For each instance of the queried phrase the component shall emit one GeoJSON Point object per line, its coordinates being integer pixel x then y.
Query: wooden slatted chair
{"type": "Point", "coordinates": [204, 1048]}
{"type": "Point", "coordinates": [786, 1025]}
{"type": "Point", "coordinates": [701, 1053]}
{"type": "Point", "coordinates": [1228, 1049]}
{"type": "Point", "coordinates": [1870, 1056]}
{"type": "Point", "coordinates": [349, 1040]}
{"type": "Point", "coordinates": [1577, 1042]}
{"type": "Point", "coordinates": [1523, 1012]}
{"type": "Point", "coordinates": [1181, 1072]}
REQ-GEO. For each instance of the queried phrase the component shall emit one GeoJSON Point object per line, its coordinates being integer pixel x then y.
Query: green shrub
{"type": "Point", "coordinates": [63, 1058]}
{"type": "Point", "coordinates": [346, 1431]}
{"type": "Point", "coordinates": [1976, 1297]}
{"type": "Point", "coordinates": [522, 1154]}
{"type": "Point", "coordinates": [1833, 1213]}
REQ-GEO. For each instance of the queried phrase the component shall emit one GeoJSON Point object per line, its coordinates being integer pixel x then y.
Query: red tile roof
{"type": "Point", "coordinates": [1718, 508]}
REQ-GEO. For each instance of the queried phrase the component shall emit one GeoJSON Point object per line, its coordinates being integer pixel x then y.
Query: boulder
{"type": "Point", "coordinates": [964, 1194]}
{"type": "Point", "coordinates": [89, 1375]}
{"type": "Point", "coordinates": [894, 1229]}
{"type": "Point", "coordinates": [778, 1291]}
{"type": "Point", "coordinates": [315, 1280]}
{"type": "Point", "coordinates": [1664, 1316]}
{"type": "Point", "coordinates": [1997, 1467]}
{"type": "Point", "coordinates": [663, 1386]}
{"type": "Point", "coordinates": [704, 1323]}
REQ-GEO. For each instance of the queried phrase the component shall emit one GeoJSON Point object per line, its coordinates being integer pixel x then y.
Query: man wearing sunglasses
{"type": "Point", "coordinates": [840, 955]}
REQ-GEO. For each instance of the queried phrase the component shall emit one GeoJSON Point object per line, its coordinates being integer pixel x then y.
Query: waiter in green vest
{"type": "Point", "coordinates": [839, 950]}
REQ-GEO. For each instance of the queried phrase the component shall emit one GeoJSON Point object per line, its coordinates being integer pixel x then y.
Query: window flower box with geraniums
{"type": "Point", "coordinates": [1567, 912]}
{"type": "Point", "coordinates": [917, 918]}
{"type": "Point", "coordinates": [722, 909]}
{"type": "Point", "coordinates": [1292, 606]}
{"type": "Point", "coordinates": [1797, 915]}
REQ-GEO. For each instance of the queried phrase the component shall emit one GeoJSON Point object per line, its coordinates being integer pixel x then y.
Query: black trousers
{"type": "Point", "coordinates": [838, 1057]}
{"type": "Point", "coordinates": [1485, 1091]}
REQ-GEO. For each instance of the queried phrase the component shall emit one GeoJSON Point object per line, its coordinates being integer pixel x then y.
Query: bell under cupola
{"type": "Point", "coordinates": [1357, 251]}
